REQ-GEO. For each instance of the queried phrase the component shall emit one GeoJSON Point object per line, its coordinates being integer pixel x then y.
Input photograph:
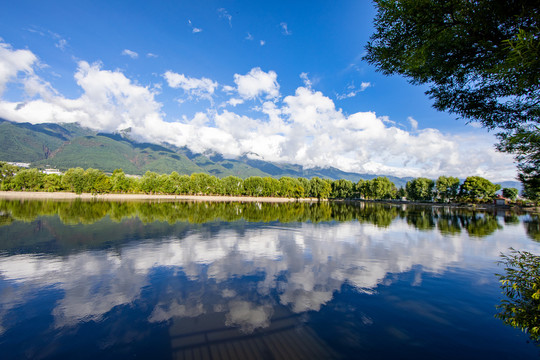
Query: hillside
{"type": "Point", "coordinates": [69, 145]}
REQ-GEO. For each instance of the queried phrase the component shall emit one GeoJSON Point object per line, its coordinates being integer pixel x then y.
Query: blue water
{"type": "Point", "coordinates": [130, 286]}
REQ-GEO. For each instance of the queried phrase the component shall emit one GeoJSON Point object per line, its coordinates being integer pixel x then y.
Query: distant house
{"type": "Point", "coordinates": [500, 201]}
{"type": "Point", "coordinates": [19, 164]}
{"type": "Point", "coordinates": [52, 171]}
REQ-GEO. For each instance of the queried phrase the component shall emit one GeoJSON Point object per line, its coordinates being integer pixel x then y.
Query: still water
{"type": "Point", "coordinates": [259, 281]}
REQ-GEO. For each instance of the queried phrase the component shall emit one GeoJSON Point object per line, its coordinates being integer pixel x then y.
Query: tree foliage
{"type": "Point", "coordinates": [521, 285]}
{"type": "Point", "coordinates": [480, 60]}
{"type": "Point", "coordinates": [420, 189]}
{"type": "Point", "coordinates": [510, 193]}
{"type": "Point", "coordinates": [447, 187]}
{"type": "Point", "coordinates": [478, 189]}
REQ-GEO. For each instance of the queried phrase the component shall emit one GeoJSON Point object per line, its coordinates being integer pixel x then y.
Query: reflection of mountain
{"type": "Point", "coordinates": [240, 272]}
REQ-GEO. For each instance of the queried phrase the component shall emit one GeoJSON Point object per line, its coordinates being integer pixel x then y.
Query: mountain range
{"type": "Point", "coordinates": [65, 146]}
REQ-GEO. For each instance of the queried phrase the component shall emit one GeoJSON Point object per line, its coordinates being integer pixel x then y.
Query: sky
{"type": "Point", "coordinates": [280, 81]}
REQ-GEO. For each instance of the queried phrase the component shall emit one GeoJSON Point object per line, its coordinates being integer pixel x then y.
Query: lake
{"type": "Point", "coordinates": [192, 280]}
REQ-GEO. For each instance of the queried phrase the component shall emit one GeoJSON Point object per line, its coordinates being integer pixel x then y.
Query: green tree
{"type": "Point", "coordinates": [94, 181]}
{"type": "Point", "coordinates": [319, 188]}
{"type": "Point", "coordinates": [510, 193]}
{"type": "Point", "coordinates": [480, 60]}
{"type": "Point", "coordinates": [521, 285]}
{"type": "Point", "coordinates": [271, 187]}
{"type": "Point", "coordinates": [420, 189]}
{"type": "Point", "coordinates": [29, 180]}
{"type": "Point", "coordinates": [382, 188]}
{"type": "Point", "coordinates": [362, 188]}
{"type": "Point", "coordinates": [289, 187]}
{"type": "Point", "coordinates": [478, 189]}
{"type": "Point", "coordinates": [74, 180]}
{"type": "Point", "coordinates": [253, 186]}
{"type": "Point", "coordinates": [52, 182]}
{"type": "Point", "coordinates": [149, 183]}
{"type": "Point", "coordinates": [232, 185]}
{"type": "Point", "coordinates": [7, 172]}
{"type": "Point", "coordinates": [525, 144]}
{"type": "Point", "coordinates": [119, 181]}
{"type": "Point", "coordinates": [342, 189]}
{"type": "Point", "coordinates": [305, 185]}
{"type": "Point", "coordinates": [447, 187]}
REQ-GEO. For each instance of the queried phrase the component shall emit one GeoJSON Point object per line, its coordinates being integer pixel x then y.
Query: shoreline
{"type": "Point", "coordinates": [38, 195]}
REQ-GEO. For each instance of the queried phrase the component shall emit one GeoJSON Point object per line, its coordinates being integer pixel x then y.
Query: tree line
{"type": "Point", "coordinates": [78, 180]}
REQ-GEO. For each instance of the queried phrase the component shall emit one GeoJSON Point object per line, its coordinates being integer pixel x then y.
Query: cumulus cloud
{"type": "Point", "coordinates": [257, 83]}
{"type": "Point", "coordinates": [151, 55]}
{"type": "Point", "coordinates": [262, 42]}
{"type": "Point", "coordinates": [131, 54]}
{"type": "Point", "coordinates": [304, 128]}
{"type": "Point", "coordinates": [197, 88]}
{"type": "Point", "coordinates": [13, 62]}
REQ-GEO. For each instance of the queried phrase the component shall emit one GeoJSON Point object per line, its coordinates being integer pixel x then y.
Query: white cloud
{"type": "Point", "coordinates": [352, 91]}
{"type": "Point", "coordinates": [284, 29]}
{"type": "Point", "coordinates": [257, 83]}
{"type": "Point", "coordinates": [235, 101]}
{"type": "Point", "coordinates": [305, 128]}
{"type": "Point", "coordinates": [306, 80]}
{"type": "Point", "coordinates": [224, 14]}
{"type": "Point", "coordinates": [194, 29]}
{"type": "Point", "coordinates": [249, 37]}
{"type": "Point", "coordinates": [131, 54]}
{"type": "Point", "coordinates": [13, 62]}
{"type": "Point", "coordinates": [61, 44]}
{"type": "Point", "coordinates": [413, 122]}
{"type": "Point", "coordinates": [151, 55]}
{"type": "Point", "coordinates": [262, 42]}
{"type": "Point", "coordinates": [199, 88]}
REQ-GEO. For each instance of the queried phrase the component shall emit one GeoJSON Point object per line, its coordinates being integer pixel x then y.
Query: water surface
{"type": "Point", "coordinates": [232, 280]}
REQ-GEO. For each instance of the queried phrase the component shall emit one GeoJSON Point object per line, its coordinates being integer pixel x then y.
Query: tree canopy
{"type": "Point", "coordinates": [521, 285]}
{"type": "Point", "coordinates": [480, 60]}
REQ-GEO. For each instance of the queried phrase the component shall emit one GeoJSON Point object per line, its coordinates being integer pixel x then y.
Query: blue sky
{"type": "Point", "coordinates": [278, 80]}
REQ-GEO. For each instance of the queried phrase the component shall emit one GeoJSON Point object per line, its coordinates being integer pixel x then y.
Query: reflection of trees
{"type": "Point", "coordinates": [422, 219]}
{"type": "Point", "coordinates": [80, 212]}
{"type": "Point", "coordinates": [532, 227]}
{"type": "Point", "coordinates": [521, 285]}
{"type": "Point", "coordinates": [447, 220]}
{"type": "Point", "coordinates": [5, 219]}
{"type": "Point", "coordinates": [381, 216]}
{"type": "Point", "coordinates": [480, 224]}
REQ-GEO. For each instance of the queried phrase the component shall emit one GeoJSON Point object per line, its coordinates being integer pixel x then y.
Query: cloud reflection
{"type": "Point", "coordinates": [242, 274]}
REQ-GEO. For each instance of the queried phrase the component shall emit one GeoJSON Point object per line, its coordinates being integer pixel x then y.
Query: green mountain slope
{"type": "Point", "coordinates": [107, 153]}
{"type": "Point", "coordinates": [29, 143]}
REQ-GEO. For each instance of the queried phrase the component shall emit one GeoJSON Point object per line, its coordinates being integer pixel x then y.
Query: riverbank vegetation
{"type": "Point", "coordinates": [474, 189]}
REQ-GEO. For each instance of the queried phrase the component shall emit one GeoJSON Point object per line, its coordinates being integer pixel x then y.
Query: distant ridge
{"type": "Point", "coordinates": [65, 146]}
